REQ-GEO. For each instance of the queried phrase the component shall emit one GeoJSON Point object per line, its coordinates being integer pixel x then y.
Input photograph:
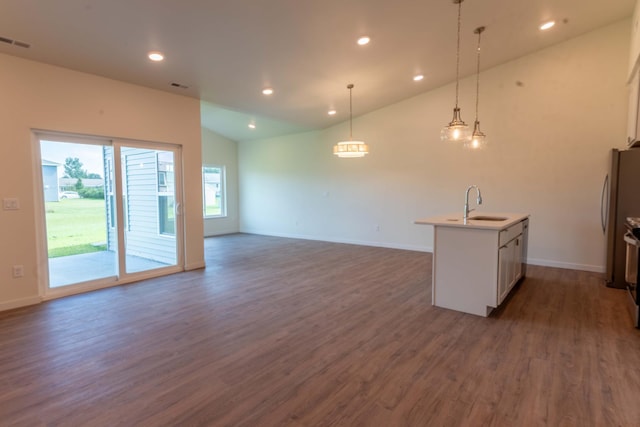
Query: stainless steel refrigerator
{"type": "Point", "coordinates": [620, 199]}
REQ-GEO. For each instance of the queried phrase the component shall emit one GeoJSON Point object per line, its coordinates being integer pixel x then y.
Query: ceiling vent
{"type": "Point", "coordinates": [14, 42]}
{"type": "Point", "coordinates": [181, 86]}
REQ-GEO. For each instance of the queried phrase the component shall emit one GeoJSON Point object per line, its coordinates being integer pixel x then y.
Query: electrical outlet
{"type": "Point", "coordinates": [10, 204]}
{"type": "Point", "coordinates": [18, 271]}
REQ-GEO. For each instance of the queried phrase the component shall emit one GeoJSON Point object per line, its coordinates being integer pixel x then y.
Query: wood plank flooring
{"type": "Point", "coordinates": [283, 332]}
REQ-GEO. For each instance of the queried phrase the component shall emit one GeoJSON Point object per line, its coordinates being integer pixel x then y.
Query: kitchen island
{"type": "Point", "coordinates": [477, 261]}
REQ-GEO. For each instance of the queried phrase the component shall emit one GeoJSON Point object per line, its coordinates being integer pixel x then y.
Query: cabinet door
{"type": "Point", "coordinates": [504, 260]}
{"type": "Point", "coordinates": [509, 266]}
{"type": "Point", "coordinates": [524, 240]}
{"type": "Point", "coordinates": [517, 260]}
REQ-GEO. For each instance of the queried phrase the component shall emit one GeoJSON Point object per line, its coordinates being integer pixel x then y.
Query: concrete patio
{"type": "Point", "coordinates": [73, 269]}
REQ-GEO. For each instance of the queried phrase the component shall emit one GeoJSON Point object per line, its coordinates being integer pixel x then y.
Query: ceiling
{"type": "Point", "coordinates": [226, 52]}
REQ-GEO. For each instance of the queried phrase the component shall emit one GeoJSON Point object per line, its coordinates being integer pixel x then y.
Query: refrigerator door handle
{"type": "Point", "coordinates": [604, 208]}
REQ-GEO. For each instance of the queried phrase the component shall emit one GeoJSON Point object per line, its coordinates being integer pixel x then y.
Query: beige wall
{"type": "Point", "coordinates": [552, 118]}
{"type": "Point", "coordinates": [220, 151]}
{"type": "Point", "coordinates": [38, 96]}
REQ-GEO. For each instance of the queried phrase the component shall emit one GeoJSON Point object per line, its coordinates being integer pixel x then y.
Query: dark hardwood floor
{"type": "Point", "coordinates": [280, 332]}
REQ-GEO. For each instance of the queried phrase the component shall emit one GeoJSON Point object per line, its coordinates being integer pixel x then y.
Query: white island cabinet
{"type": "Point", "coordinates": [477, 262]}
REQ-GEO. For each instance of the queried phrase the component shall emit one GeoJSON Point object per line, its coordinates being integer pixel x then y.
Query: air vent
{"type": "Point", "coordinates": [181, 86]}
{"type": "Point", "coordinates": [14, 42]}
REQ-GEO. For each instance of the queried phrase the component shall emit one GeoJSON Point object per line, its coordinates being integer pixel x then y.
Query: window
{"type": "Point", "coordinates": [107, 154]}
{"type": "Point", "coordinates": [166, 210]}
{"type": "Point", "coordinates": [166, 200]}
{"type": "Point", "coordinates": [213, 191]}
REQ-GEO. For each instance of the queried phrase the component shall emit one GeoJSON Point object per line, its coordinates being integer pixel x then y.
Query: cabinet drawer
{"type": "Point", "coordinates": [510, 233]}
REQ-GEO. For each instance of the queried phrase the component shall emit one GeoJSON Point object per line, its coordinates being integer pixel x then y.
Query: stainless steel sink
{"type": "Point", "coordinates": [488, 218]}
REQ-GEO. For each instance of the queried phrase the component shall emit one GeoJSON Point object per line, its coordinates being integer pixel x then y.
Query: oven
{"type": "Point", "coordinates": [632, 242]}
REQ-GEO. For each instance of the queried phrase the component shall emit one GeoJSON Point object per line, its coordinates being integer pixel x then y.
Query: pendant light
{"type": "Point", "coordinates": [350, 148]}
{"type": "Point", "coordinates": [478, 139]}
{"type": "Point", "coordinates": [456, 130]}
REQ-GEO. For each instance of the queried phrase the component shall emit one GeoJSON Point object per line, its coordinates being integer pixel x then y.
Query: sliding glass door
{"type": "Point", "coordinates": [149, 208]}
{"type": "Point", "coordinates": [77, 179]}
{"type": "Point", "coordinates": [111, 210]}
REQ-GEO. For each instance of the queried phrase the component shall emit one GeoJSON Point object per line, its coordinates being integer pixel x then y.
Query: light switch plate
{"type": "Point", "coordinates": [10, 204]}
{"type": "Point", "coordinates": [18, 271]}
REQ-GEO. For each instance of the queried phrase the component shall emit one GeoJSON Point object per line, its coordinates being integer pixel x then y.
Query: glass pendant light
{"type": "Point", "coordinates": [350, 148]}
{"type": "Point", "coordinates": [457, 129]}
{"type": "Point", "coordinates": [478, 139]}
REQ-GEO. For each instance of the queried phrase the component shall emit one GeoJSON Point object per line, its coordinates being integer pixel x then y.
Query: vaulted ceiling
{"type": "Point", "coordinates": [225, 52]}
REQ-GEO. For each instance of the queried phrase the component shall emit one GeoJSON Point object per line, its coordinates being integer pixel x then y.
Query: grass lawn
{"type": "Point", "coordinates": [76, 226]}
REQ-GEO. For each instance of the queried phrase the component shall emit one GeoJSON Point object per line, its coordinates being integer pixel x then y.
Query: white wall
{"type": "Point", "coordinates": [218, 150]}
{"type": "Point", "coordinates": [634, 51]}
{"type": "Point", "coordinates": [552, 118]}
{"type": "Point", "coordinates": [39, 96]}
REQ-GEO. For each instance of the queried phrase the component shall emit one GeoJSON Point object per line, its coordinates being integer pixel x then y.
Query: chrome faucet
{"type": "Point", "coordinates": [466, 201]}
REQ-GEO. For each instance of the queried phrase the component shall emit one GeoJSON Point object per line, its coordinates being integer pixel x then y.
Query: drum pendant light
{"type": "Point", "coordinates": [350, 148]}
{"type": "Point", "coordinates": [457, 130]}
{"type": "Point", "coordinates": [478, 139]}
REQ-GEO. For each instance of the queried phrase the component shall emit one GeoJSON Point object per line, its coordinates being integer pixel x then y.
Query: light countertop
{"type": "Point", "coordinates": [456, 220]}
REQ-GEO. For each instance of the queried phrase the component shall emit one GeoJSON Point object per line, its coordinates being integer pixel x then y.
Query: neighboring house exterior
{"type": "Point", "coordinates": [149, 205]}
{"type": "Point", "coordinates": [50, 180]}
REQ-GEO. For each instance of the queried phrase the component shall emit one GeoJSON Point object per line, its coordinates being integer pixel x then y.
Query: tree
{"type": "Point", "coordinates": [73, 168]}
{"type": "Point", "coordinates": [94, 176]}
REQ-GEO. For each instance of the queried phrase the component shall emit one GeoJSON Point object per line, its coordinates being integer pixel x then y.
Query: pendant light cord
{"type": "Point", "coordinates": [350, 87]}
{"type": "Point", "coordinates": [350, 114]}
{"type": "Point", "coordinates": [479, 30]}
{"type": "Point", "coordinates": [458, 50]}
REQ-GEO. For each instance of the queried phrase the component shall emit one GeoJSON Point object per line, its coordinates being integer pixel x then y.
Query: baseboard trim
{"type": "Point", "coordinates": [566, 265]}
{"type": "Point", "coordinates": [18, 303]}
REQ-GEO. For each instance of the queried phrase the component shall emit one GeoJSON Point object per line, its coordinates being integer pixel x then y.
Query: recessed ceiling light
{"type": "Point", "coordinates": [331, 112]}
{"type": "Point", "coordinates": [267, 91]}
{"type": "Point", "coordinates": [156, 56]}
{"type": "Point", "coordinates": [547, 25]}
{"type": "Point", "coordinates": [418, 77]}
{"type": "Point", "coordinates": [252, 126]}
{"type": "Point", "coordinates": [363, 40]}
